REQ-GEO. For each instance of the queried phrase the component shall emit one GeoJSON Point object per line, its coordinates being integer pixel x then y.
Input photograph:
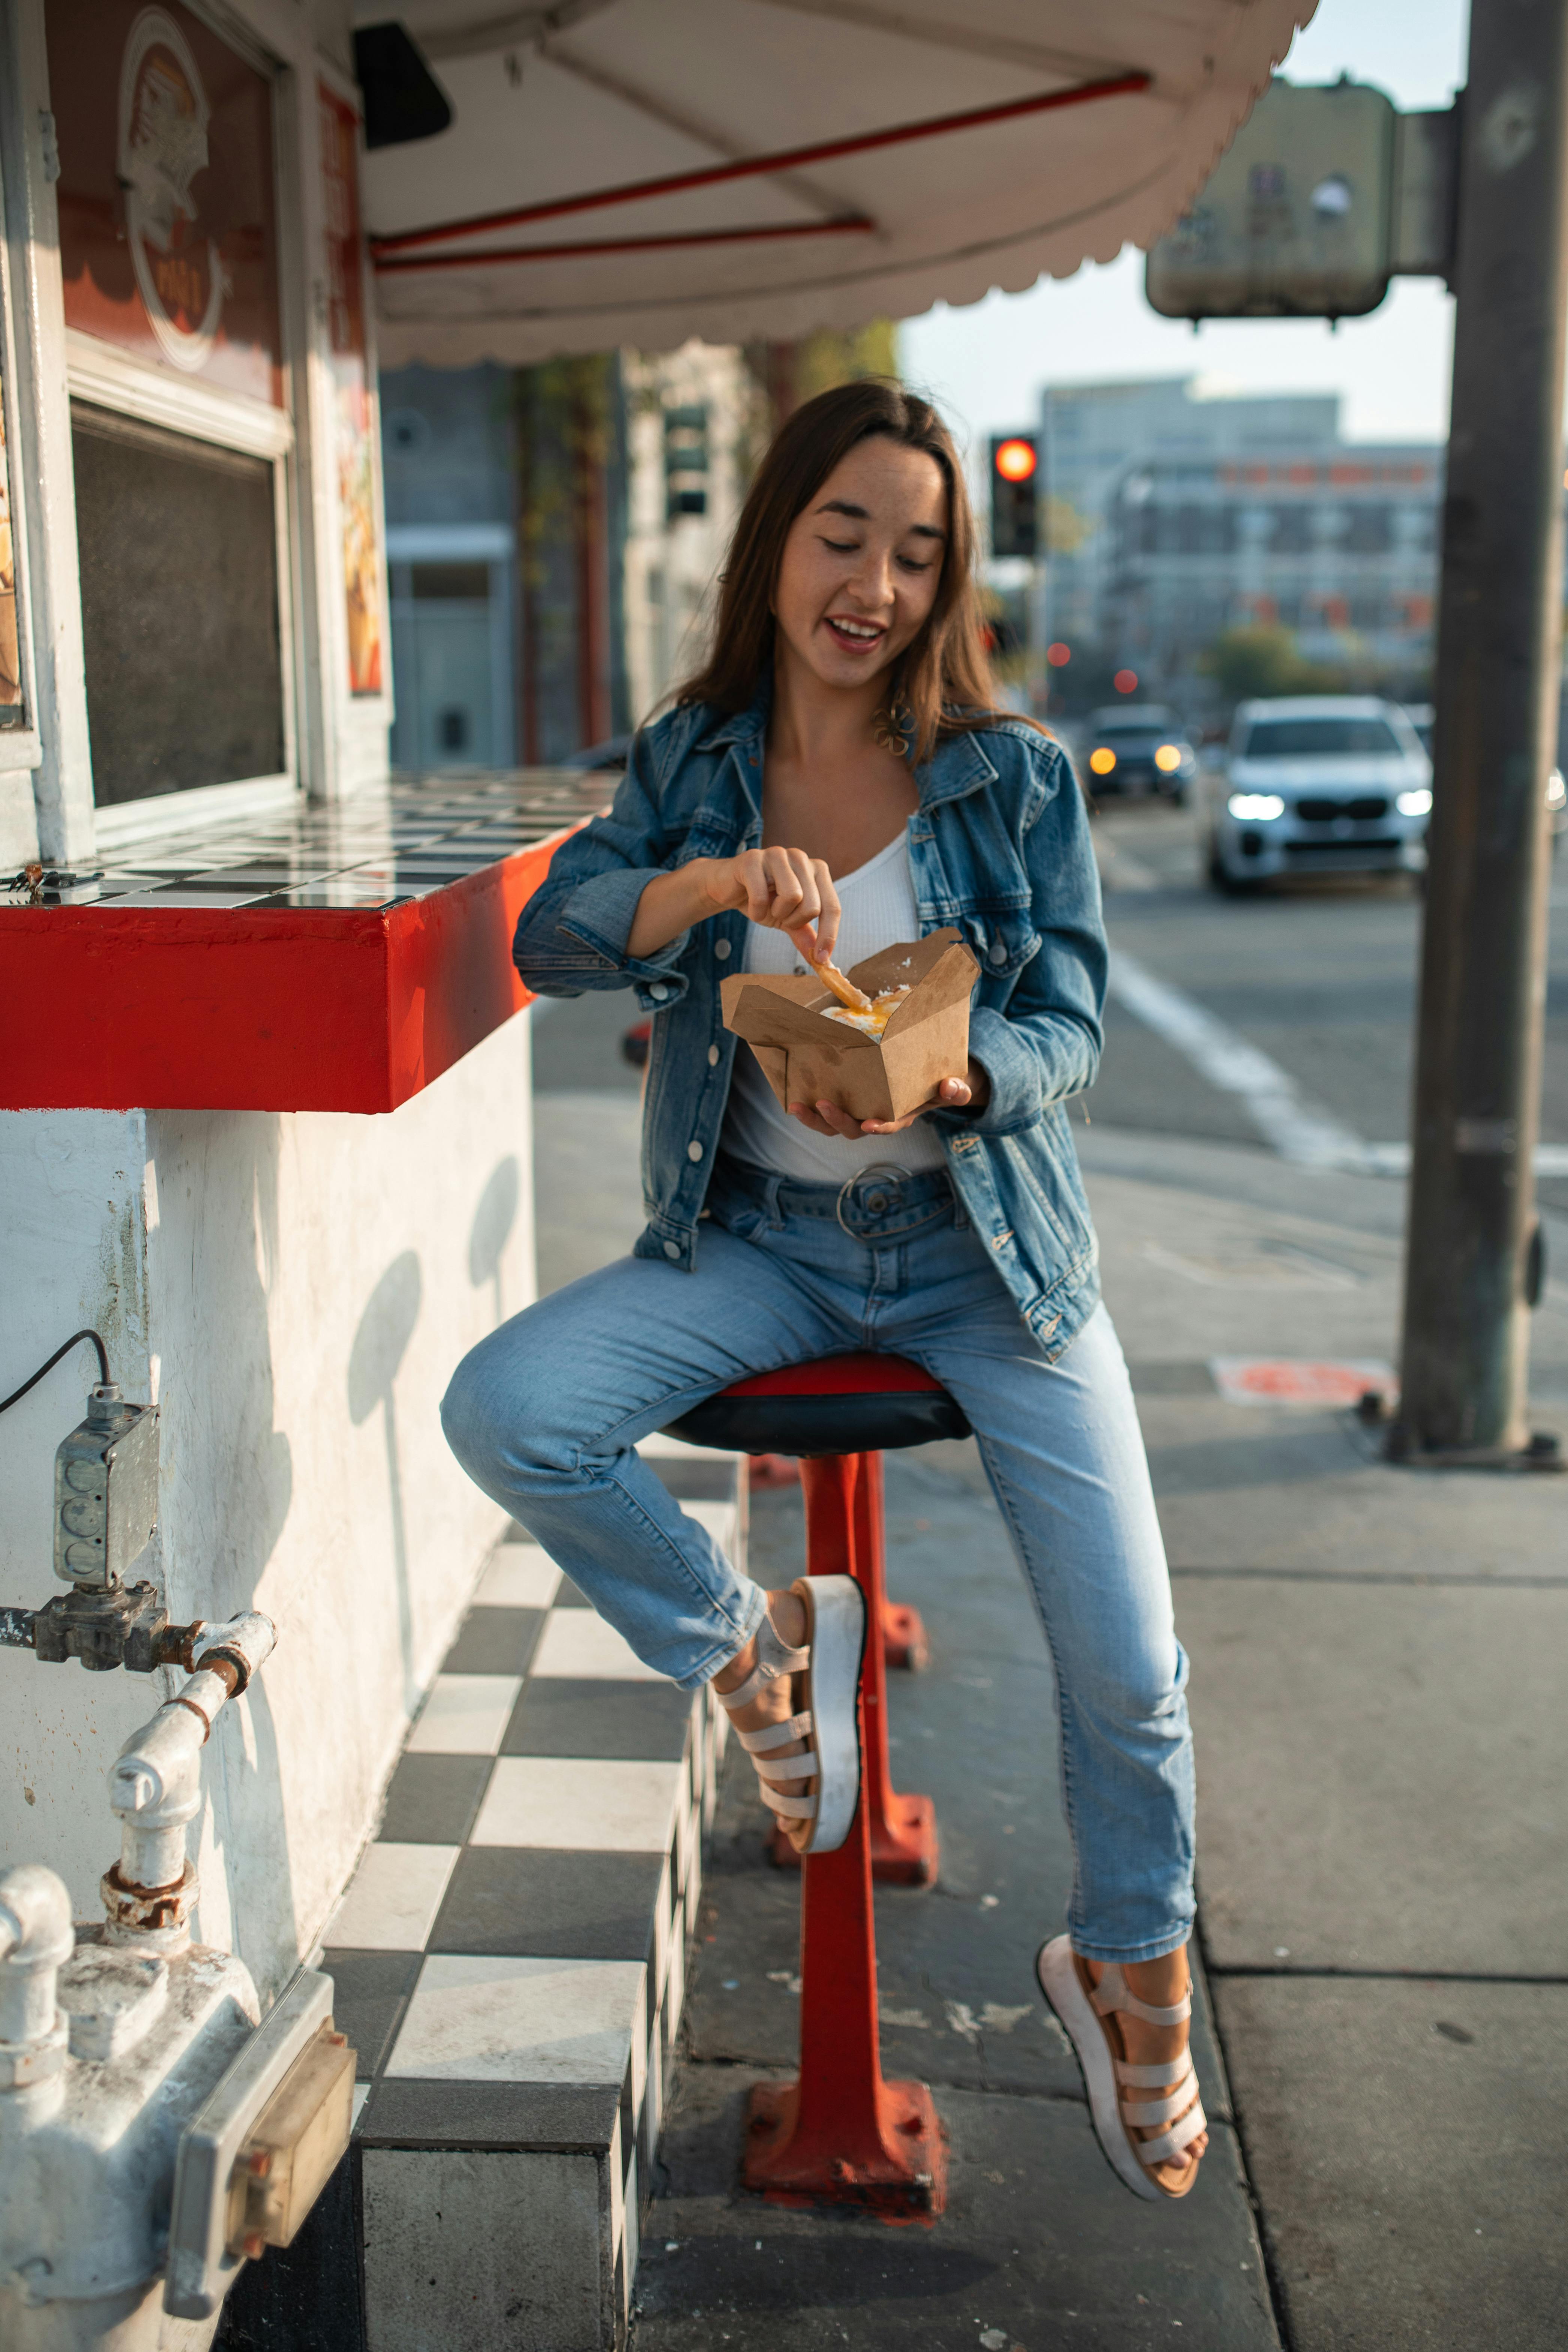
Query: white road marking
{"type": "Point", "coordinates": [1297, 1128]}
{"type": "Point", "coordinates": [1118, 871]}
{"type": "Point", "coordinates": [1394, 1158]}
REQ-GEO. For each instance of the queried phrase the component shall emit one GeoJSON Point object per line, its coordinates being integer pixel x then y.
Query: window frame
{"type": "Point", "coordinates": [103, 375]}
{"type": "Point", "coordinates": [21, 748]}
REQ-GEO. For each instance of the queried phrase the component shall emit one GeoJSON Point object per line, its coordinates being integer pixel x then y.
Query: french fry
{"type": "Point", "coordinates": [853, 999]}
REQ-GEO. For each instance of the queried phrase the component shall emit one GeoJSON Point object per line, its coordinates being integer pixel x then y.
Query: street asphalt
{"type": "Point", "coordinates": [1376, 1694]}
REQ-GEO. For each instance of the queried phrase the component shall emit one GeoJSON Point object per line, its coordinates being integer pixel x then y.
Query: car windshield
{"type": "Point", "coordinates": [1136, 734]}
{"type": "Point", "coordinates": [1316, 738]}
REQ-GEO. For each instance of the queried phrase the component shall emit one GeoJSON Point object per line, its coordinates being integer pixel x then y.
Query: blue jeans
{"type": "Point", "coordinates": [545, 1414]}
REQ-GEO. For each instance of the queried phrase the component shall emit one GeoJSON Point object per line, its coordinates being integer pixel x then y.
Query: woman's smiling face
{"type": "Point", "coordinates": [863, 562]}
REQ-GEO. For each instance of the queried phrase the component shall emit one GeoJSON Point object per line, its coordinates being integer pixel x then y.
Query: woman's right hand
{"type": "Point", "coordinates": [781, 889]}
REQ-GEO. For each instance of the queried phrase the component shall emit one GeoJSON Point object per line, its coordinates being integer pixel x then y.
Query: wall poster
{"type": "Point", "coordinates": [351, 388]}
{"type": "Point", "coordinates": [167, 210]}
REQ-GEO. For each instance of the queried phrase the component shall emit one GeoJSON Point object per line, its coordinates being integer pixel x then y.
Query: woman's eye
{"type": "Point", "coordinates": [909, 565]}
{"type": "Point", "coordinates": [842, 546]}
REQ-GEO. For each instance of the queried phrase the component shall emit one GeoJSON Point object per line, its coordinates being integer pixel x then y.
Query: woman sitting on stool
{"type": "Point", "coordinates": [839, 778]}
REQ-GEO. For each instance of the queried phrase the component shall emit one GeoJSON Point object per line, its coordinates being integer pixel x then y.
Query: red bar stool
{"type": "Point", "coordinates": [840, 2132]}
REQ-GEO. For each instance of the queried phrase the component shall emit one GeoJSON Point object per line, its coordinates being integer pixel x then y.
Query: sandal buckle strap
{"type": "Point", "coordinates": [1153, 2078]}
{"type": "Point", "coordinates": [1155, 2152]}
{"type": "Point", "coordinates": [787, 1767]}
{"type": "Point", "coordinates": [776, 1735]}
{"type": "Point", "coordinates": [1142, 2112]}
{"type": "Point", "coordinates": [794, 1809]}
{"type": "Point", "coordinates": [1112, 1994]}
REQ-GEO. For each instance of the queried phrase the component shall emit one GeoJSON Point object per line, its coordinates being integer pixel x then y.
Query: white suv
{"type": "Point", "coordinates": [1319, 784]}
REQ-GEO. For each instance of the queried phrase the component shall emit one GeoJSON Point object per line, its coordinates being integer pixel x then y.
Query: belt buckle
{"type": "Point", "coordinates": [886, 1169]}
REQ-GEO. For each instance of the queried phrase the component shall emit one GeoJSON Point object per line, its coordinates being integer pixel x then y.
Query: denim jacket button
{"type": "Point", "coordinates": [721, 950]}
{"type": "Point", "coordinates": [673, 1249]}
{"type": "Point", "coordinates": [659, 991]}
{"type": "Point", "coordinates": [998, 952]}
{"type": "Point", "coordinates": [694, 1151]}
{"type": "Point", "coordinates": [712, 1058]}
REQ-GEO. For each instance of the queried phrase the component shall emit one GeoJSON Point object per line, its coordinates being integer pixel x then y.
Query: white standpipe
{"type": "Point", "coordinates": [114, 2043]}
{"type": "Point", "coordinates": [35, 1940]}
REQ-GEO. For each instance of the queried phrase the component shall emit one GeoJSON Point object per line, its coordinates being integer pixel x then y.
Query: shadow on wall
{"type": "Point", "coordinates": [381, 1342]}
{"type": "Point", "coordinates": [229, 1476]}
{"type": "Point", "coordinates": [494, 1220]}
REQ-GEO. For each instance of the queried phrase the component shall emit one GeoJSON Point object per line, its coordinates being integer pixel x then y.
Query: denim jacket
{"type": "Point", "coordinates": [999, 845]}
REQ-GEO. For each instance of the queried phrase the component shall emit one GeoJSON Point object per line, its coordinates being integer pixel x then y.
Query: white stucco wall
{"type": "Point", "coordinates": [295, 1290]}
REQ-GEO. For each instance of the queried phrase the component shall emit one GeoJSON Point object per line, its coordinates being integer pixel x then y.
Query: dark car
{"type": "Point", "coordinates": [1137, 747]}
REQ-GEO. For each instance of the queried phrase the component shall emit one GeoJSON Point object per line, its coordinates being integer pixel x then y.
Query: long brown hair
{"type": "Point", "coordinates": [942, 682]}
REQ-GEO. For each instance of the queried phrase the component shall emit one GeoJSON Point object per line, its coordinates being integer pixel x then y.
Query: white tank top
{"type": "Point", "coordinates": [880, 912]}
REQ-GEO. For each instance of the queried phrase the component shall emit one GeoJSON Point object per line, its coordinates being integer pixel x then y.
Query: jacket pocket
{"type": "Point", "coordinates": [1003, 938]}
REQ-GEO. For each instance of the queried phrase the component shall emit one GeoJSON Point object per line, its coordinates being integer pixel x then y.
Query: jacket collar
{"type": "Point", "coordinates": [957, 766]}
{"type": "Point", "coordinates": [746, 728]}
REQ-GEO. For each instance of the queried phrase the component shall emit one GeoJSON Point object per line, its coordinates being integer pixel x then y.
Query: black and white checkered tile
{"type": "Point", "coordinates": [378, 851]}
{"type": "Point", "coordinates": [510, 1960]}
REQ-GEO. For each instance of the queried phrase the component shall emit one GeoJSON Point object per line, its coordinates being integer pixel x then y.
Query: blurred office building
{"type": "Point", "coordinates": [695, 425]}
{"type": "Point", "coordinates": [553, 535]}
{"type": "Point", "coordinates": [1174, 515]}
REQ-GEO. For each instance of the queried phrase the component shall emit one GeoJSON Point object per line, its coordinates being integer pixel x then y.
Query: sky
{"type": "Point", "coordinates": [986, 364]}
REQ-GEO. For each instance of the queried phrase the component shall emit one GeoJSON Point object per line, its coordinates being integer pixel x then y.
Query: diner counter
{"type": "Point", "coordinates": [331, 958]}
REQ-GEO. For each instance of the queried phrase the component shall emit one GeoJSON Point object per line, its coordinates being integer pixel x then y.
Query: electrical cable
{"type": "Point", "coordinates": [7, 1403]}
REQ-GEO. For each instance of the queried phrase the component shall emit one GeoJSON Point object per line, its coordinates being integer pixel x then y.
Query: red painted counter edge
{"type": "Point", "coordinates": [258, 1008]}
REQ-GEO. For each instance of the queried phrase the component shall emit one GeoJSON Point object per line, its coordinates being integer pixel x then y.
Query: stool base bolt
{"type": "Point", "coordinates": [904, 1845]}
{"type": "Point", "coordinates": [898, 2169]}
{"type": "Point", "coordinates": [905, 1649]}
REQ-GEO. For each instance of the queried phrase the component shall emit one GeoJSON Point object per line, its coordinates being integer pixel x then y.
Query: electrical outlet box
{"type": "Point", "coordinates": [106, 1491]}
{"type": "Point", "coordinates": [284, 2108]}
{"type": "Point", "coordinates": [293, 2147]}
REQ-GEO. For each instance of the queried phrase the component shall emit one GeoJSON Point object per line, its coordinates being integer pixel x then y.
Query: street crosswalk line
{"type": "Point", "coordinates": [1298, 1128]}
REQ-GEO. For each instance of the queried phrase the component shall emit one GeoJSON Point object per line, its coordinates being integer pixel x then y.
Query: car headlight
{"type": "Point", "coordinates": [1556, 791]}
{"type": "Point", "coordinates": [1415, 803]}
{"type": "Point", "coordinates": [1103, 761]}
{"type": "Point", "coordinates": [1168, 759]}
{"type": "Point", "coordinates": [1256, 808]}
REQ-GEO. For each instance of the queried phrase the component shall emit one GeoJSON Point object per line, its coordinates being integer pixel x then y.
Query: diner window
{"type": "Point", "coordinates": [178, 546]}
{"type": "Point", "coordinates": [179, 428]}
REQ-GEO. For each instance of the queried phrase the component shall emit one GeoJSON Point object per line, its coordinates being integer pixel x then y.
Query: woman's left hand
{"type": "Point", "coordinates": [970, 1093]}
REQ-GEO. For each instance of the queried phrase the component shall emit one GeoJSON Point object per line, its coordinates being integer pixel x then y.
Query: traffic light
{"type": "Point", "coordinates": [1014, 484]}
{"type": "Point", "coordinates": [685, 462]}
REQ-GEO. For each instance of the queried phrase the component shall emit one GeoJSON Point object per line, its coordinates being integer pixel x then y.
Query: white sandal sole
{"type": "Point", "coordinates": [1060, 1983]}
{"type": "Point", "coordinates": [837, 1639]}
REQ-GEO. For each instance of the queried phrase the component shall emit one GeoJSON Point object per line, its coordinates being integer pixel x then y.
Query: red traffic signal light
{"type": "Point", "coordinates": [1015, 489]}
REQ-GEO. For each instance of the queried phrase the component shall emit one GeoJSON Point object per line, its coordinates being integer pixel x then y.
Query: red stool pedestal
{"type": "Point", "coordinates": [902, 1830]}
{"type": "Point", "coordinates": [839, 2132]}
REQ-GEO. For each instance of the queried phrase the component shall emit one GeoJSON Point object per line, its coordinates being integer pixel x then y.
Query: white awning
{"type": "Point", "coordinates": [643, 170]}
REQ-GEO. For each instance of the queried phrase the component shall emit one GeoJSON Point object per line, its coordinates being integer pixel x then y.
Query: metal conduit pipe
{"type": "Point", "coordinates": [155, 1783]}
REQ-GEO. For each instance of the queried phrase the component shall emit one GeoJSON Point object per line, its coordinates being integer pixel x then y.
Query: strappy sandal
{"type": "Point", "coordinates": [828, 1666]}
{"type": "Point", "coordinates": [1173, 2083]}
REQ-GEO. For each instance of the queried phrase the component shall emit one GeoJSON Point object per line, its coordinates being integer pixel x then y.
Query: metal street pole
{"type": "Point", "coordinates": [1473, 1251]}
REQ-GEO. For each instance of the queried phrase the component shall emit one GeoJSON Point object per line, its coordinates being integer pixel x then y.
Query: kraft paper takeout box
{"type": "Point", "coordinates": [807, 1058]}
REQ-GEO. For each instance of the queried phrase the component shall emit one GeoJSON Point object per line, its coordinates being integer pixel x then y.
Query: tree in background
{"type": "Point", "coordinates": [791, 373]}
{"type": "Point", "coordinates": [1254, 663]}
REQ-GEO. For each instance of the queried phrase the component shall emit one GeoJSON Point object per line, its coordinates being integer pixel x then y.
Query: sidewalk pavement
{"type": "Point", "coordinates": [1376, 1672]}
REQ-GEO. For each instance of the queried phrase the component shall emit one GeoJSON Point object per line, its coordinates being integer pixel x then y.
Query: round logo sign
{"type": "Point", "coordinates": [163, 117]}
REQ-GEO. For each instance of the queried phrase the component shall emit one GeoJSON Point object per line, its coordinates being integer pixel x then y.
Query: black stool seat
{"type": "Point", "coordinates": [840, 1404]}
